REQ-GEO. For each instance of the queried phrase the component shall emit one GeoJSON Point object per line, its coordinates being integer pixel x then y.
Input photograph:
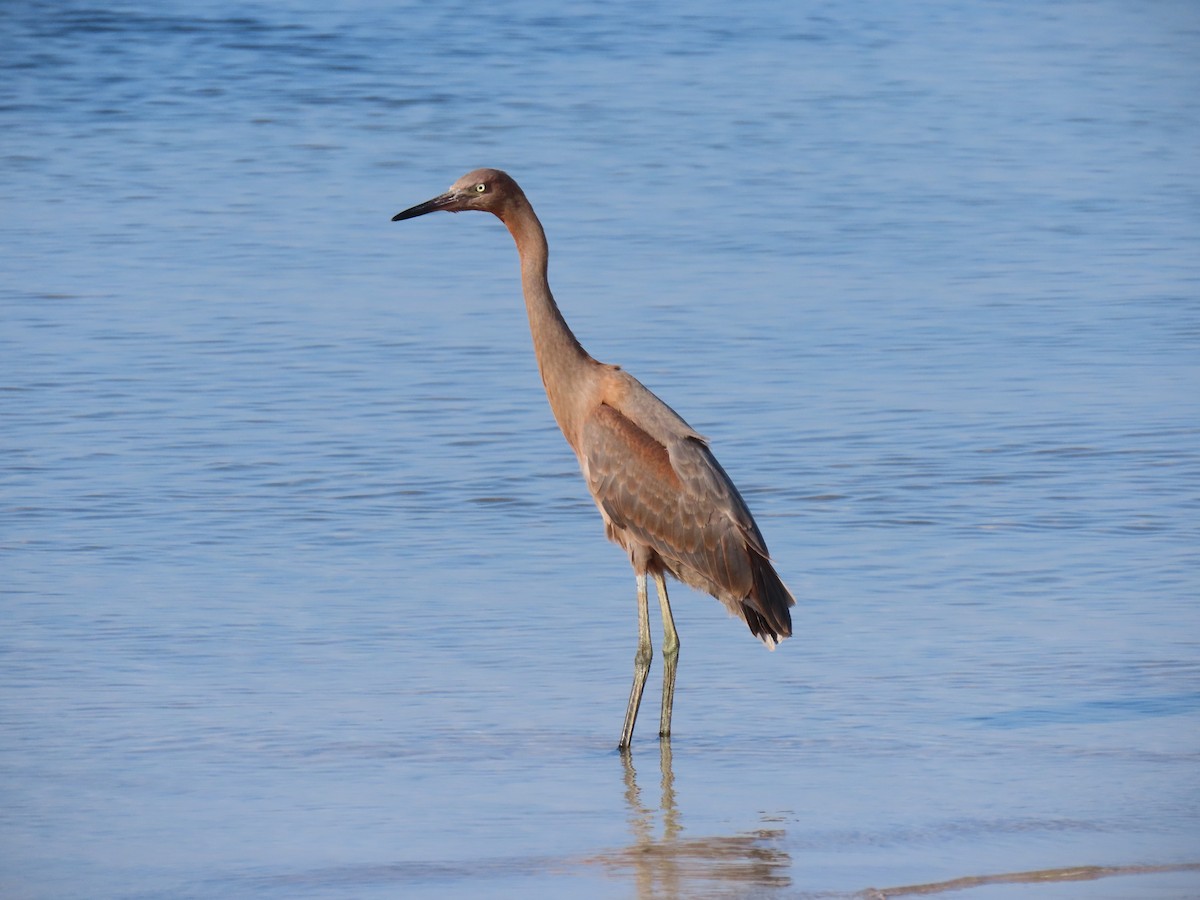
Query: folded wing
{"type": "Point", "coordinates": [668, 493]}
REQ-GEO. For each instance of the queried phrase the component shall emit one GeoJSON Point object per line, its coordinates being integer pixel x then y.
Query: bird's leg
{"type": "Point", "coordinates": [641, 662]}
{"type": "Point", "coordinates": [670, 650]}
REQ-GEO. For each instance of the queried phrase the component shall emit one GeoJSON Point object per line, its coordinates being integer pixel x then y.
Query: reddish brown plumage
{"type": "Point", "coordinates": [679, 504]}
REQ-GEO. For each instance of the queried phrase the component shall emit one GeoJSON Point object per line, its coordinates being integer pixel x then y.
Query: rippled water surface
{"type": "Point", "coordinates": [303, 596]}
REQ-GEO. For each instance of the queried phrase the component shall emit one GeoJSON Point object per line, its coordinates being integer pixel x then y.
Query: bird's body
{"type": "Point", "coordinates": [661, 493]}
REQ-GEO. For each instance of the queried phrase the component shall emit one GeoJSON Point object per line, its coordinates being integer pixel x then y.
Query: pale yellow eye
{"type": "Point", "coordinates": [480, 188]}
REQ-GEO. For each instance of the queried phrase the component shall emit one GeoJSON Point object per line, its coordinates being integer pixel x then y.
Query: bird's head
{"type": "Point", "coordinates": [486, 190]}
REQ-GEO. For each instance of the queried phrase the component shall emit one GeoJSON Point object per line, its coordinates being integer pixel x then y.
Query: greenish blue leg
{"type": "Point", "coordinates": [670, 650]}
{"type": "Point", "coordinates": [641, 663]}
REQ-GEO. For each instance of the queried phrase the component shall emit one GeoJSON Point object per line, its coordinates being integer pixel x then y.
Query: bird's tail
{"type": "Point", "coordinates": [766, 609]}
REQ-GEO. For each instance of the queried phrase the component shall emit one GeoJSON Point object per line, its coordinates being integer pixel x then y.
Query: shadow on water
{"type": "Point", "coordinates": [660, 862]}
{"type": "Point", "coordinates": [663, 863]}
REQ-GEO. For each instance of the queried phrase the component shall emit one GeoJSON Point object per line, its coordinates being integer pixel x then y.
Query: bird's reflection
{"type": "Point", "coordinates": [665, 864]}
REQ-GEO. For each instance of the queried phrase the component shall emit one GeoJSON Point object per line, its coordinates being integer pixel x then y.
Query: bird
{"type": "Point", "coordinates": [662, 494]}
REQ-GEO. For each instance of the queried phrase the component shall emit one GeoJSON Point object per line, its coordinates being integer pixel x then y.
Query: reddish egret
{"type": "Point", "coordinates": [661, 493]}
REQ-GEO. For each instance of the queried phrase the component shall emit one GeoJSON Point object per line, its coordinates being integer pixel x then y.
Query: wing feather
{"type": "Point", "coordinates": [670, 494]}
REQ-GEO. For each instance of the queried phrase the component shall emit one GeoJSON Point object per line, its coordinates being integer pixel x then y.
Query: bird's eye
{"type": "Point", "coordinates": [480, 188]}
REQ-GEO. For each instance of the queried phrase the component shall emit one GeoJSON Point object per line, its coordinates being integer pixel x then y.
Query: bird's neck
{"type": "Point", "coordinates": [566, 368]}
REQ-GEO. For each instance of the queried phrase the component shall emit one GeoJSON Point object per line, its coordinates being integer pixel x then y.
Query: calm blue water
{"type": "Point", "coordinates": [302, 594]}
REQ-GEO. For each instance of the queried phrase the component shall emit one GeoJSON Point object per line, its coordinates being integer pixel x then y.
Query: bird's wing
{"type": "Point", "coordinates": [673, 496]}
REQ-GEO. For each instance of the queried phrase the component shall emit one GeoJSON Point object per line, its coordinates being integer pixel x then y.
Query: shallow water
{"type": "Point", "coordinates": [302, 592]}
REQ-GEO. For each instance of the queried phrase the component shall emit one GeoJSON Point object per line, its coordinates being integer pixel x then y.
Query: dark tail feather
{"type": "Point", "coordinates": [766, 608]}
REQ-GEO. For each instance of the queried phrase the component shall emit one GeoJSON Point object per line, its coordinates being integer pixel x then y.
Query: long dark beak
{"type": "Point", "coordinates": [443, 201]}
